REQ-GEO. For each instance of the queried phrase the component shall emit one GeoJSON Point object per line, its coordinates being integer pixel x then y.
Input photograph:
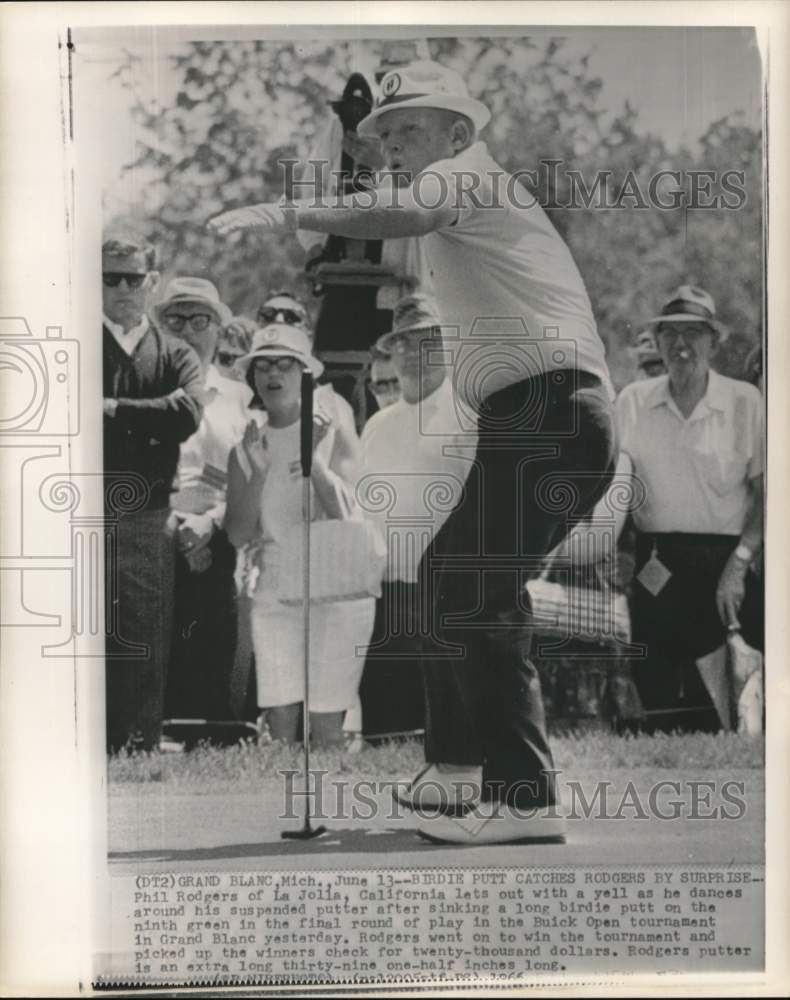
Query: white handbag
{"type": "Point", "coordinates": [347, 562]}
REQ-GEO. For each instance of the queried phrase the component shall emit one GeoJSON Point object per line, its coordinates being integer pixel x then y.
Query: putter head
{"type": "Point", "coordinates": [306, 833]}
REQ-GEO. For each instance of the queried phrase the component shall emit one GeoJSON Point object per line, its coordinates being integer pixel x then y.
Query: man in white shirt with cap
{"type": "Point", "coordinates": [529, 364]}
{"type": "Point", "coordinates": [695, 439]}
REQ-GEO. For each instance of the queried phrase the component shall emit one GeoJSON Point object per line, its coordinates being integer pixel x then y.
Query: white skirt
{"type": "Point", "coordinates": [339, 636]}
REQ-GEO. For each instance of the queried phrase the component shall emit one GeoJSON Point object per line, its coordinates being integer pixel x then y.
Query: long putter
{"type": "Point", "coordinates": [307, 832]}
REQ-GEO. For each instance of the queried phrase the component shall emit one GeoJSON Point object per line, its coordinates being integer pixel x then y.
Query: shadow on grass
{"type": "Point", "coordinates": [336, 841]}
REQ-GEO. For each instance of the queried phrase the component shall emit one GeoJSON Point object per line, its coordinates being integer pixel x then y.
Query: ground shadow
{"type": "Point", "coordinates": [338, 841]}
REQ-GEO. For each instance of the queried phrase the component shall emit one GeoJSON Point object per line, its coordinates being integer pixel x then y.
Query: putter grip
{"type": "Point", "coordinates": [306, 435]}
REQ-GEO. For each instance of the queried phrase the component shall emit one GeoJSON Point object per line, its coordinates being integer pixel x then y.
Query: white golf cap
{"type": "Point", "coordinates": [424, 84]}
{"type": "Point", "coordinates": [279, 340]}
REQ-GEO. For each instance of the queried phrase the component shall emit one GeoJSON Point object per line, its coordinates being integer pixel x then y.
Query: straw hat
{"type": "Point", "coordinates": [193, 290]}
{"type": "Point", "coordinates": [690, 304]}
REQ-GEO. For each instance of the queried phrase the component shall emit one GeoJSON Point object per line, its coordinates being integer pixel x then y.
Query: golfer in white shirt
{"type": "Point", "coordinates": [529, 364]}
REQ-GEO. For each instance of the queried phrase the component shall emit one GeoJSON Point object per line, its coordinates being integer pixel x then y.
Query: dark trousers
{"type": "Point", "coordinates": [204, 636]}
{"type": "Point", "coordinates": [391, 690]}
{"type": "Point", "coordinates": [681, 623]}
{"type": "Point", "coordinates": [143, 568]}
{"type": "Point", "coordinates": [545, 455]}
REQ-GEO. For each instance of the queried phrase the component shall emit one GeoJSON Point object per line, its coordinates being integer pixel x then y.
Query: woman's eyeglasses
{"type": "Point", "coordinates": [271, 314]}
{"type": "Point", "coordinates": [112, 279]}
{"type": "Point", "coordinates": [265, 365]}
{"type": "Point", "coordinates": [176, 323]}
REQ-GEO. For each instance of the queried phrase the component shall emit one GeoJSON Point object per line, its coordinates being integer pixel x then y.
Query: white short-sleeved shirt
{"type": "Point", "coordinates": [415, 460]}
{"type": "Point", "coordinates": [203, 458]}
{"type": "Point", "coordinates": [695, 470]}
{"type": "Point", "coordinates": [504, 276]}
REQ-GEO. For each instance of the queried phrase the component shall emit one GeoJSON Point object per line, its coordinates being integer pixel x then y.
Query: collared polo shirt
{"type": "Point", "coordinates": [696, 470]}
{"type": "Point", "coordinates": [505, 280]}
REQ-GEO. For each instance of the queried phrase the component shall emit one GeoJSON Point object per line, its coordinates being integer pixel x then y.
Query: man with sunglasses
{"type": "Point", "coordinates": [152, 402]}
{"type": "Point", "coordinates": [205, 633]}
{"type": "Point", "coordinates": [282, 307]}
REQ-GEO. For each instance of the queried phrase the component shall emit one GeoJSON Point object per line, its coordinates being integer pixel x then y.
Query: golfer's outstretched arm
{"type": "Point", "coordinates": [377, 214]}
{"type": "Point", "coordinates": [380, 213]}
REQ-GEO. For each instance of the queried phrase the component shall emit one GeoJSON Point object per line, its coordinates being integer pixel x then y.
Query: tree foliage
{"type": "Point", "coordinates": [242, 106]}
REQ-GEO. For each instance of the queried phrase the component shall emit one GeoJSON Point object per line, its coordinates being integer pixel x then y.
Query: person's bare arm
{"type": "Point", "coordinates": [732, 582]}
{"type": "Point", "coordinates": [378, 213]}
{"type": "Point", "coordinates": [347, 451]}
{"type": "Point", "coordinates": [333, 489]}
{"type": "Point", "coordinates": [242, 512]}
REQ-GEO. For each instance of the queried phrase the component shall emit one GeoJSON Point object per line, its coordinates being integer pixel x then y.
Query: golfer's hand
{"type": "Point", "coordinates": [730, 591]}
{"type": "Point", "coordinates": [266, 217]}
{"type": "Point", "coordinates": [255, 448]}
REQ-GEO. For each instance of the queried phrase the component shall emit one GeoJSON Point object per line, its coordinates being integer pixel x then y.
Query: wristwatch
{"type": "Point", "coordinates": [743, 553]}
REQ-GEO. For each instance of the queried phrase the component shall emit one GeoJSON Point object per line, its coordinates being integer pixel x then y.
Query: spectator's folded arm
{"type": "Point", "coordinates": [176, 415]}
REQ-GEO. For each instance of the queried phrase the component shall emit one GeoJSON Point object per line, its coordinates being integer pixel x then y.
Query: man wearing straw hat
{"type": "Point", "coordinates": [696, 442]}
{"type": "Point", "coordinates": [529, 365]}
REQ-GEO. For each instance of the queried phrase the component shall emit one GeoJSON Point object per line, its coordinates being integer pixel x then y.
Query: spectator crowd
{"type": "Point", "coordinates": [201, 404]}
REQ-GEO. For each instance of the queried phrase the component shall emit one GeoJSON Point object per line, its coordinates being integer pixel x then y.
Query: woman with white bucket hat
{"type": "Point", "coordinates": [264, 507]}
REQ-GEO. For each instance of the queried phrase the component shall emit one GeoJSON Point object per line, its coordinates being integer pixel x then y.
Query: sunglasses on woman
{"type": "Point", "coordinates": [176, 322]}
{"type": "Point", "coordinates": [265, 365]}
{"type": "Point", "coordinates": [272, 314]}
{"type": "Point", "coordinates": [112, 279]}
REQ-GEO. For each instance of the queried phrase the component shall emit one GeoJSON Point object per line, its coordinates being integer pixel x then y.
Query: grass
{"type": "Point", "coordinates": [242, 768]}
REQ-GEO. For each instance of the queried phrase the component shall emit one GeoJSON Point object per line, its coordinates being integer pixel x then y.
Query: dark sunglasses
{"type": "Point", "coordinates": [113, 278]}
{"type": "Point", "coordinates": [227, 358]}
{"type": "Point", "coordinates": [265, 365]}
{"type": "Point", "coordinates": [381, 385]}
{"type": "Point", "coordinates": [176, 323]}
{"type": "Point", "coordinates": [271, 314]}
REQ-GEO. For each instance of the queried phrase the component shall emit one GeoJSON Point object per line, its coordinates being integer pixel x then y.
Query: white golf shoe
{"type": "Point", "coordinates": [494, 823]}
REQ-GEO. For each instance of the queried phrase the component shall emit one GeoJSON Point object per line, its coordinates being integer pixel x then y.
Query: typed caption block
{"type": "Point", "coordinates": [423, 925]}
